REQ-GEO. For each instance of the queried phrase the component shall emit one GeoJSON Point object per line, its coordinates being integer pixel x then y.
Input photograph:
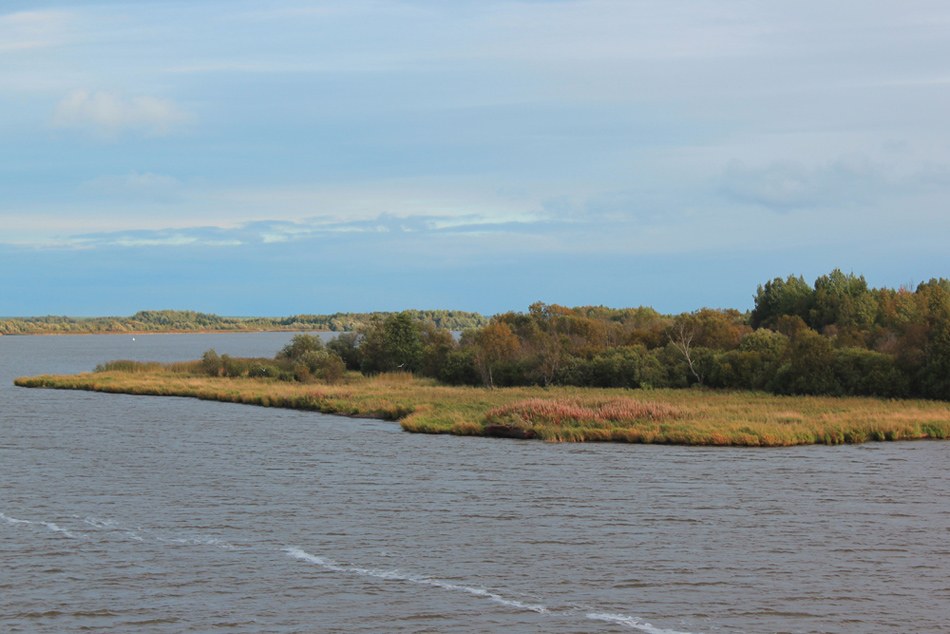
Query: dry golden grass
{"type": "Point", "coordinates": [692, 417]}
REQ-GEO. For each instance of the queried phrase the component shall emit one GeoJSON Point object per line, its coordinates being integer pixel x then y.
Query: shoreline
{"type": "Point", "coordinates": [681, 417]}
{"type": "Point", "coordinates": [162, 332]}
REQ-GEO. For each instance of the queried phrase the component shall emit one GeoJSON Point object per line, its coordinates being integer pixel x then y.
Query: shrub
{"type": "Point", "coordinates": [301, 346]}
{"type": "Point", "coordinates": [866, 373]}
{"type": "Point", "coordinates": [211, 363]}
{"type": "Point", "coordinates": [571, 413]}
{"type": "Point", "coordinates": [302, 373]}
{"type": "Point", "coordinates": [332, 369]}
{"type": "Point", "coordinates": [347, 347]}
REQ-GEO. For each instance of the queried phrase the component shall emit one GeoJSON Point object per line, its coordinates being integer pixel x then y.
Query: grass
{"type": "Point", "coordinates": [686, 417]}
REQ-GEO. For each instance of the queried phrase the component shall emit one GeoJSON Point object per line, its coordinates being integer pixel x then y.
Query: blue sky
{"type": "Point", "coordinates": [252, 158]}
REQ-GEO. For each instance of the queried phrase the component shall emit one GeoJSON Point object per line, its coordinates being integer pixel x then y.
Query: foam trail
{"type": "Point", "coordinates": [631, 621]}
{"type": "Point", "coordinates": [13, 520]}
{"type": "Point", "coordinates": [201, 541]}
{"type": "Point", "coordinates": [393, 575]}
{"type": "Point", "coordinates": [113, 526]}
{"type": "Point", "coordinates": [50, 525]}
{"type": "Point", "coordinates": [56, 529]}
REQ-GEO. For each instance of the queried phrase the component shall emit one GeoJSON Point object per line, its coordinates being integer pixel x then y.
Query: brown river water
{"type": "Point", "coordinates": [165, 515]}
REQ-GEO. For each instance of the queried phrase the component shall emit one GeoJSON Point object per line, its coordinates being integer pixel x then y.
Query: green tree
{"type": "Point", "coordinates": [811, 367]}
{"type": "Point", "coordinates": [301, 345]}
{"type": "Point", "coordinates": [842, 300]}
{"type": "Point", "coordinates": [792, 296]}
{"type": "Point", "coordinates": [394, 344]}
{"type": "Point", "coordinates": [347, 346]}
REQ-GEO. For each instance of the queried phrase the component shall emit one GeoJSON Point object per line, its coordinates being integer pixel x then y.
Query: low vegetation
{"type": "Point", "coordinates": [698, 416]}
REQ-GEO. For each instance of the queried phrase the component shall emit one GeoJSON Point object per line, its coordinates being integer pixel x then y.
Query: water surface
{"type": "Point", "coordinates": [128, 513]}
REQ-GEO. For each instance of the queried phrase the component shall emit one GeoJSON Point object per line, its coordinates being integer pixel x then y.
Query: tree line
{"type": "Point", "coordinates": [835, 337]}
{"type": "Point", "coordinates": [191, 321]}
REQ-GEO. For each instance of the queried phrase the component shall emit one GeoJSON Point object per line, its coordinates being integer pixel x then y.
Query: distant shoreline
{"type": "Point", "coordinates": [185, 321]}
{"type": "Point", "coordinates": [163, 332]}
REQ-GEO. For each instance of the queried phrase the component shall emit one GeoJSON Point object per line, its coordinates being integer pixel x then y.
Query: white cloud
{"type": "Point", "coordinates": [29, 30]}
{"type": "Point", "coordinates": [107, 113]}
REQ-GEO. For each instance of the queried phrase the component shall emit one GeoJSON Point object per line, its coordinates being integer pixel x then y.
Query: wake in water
{"type": "Point", "coordinates": [49, 525]}
{"type": "Point", "coordinates": [143, 535]}
{"type": "Point", "coordinates": [630, 621]}
{"type": "Point", "coordinates": [395, 575]}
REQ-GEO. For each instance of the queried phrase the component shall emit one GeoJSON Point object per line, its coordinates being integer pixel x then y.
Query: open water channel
{"type": "Point", "coordinates": [165, 515]}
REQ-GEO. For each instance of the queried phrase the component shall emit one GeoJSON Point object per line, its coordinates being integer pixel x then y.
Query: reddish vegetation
{"type": "Point", "coordinates": [570, 412]}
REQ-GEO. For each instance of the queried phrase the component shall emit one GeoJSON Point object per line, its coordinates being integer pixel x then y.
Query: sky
{"type": "Point", "coordinates": [284, 157]}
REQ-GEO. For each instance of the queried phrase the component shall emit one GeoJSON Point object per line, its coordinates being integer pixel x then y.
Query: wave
{"type": "Point", "coordinates": [395, 575]}
{"type": "Point", "coordinates": [49, 525]}
{"type": "Point", "coordinates": [632, 622]}
{"type": "Point", "coordinates": [111, 525]}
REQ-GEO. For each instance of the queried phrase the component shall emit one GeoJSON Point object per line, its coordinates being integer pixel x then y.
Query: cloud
{"type": "Point", "coordinates": [283, 231]}
{"type": "Point", "coordinates": [108, 113]}
{"type": "Point", "coordinates": [191, 237]}
{"type": "Point", "coordinates": [134, 186]}
{"type": "Point", "coordinates": [28, 30]}
{"type": "Point", "coordinates": [788, 185]}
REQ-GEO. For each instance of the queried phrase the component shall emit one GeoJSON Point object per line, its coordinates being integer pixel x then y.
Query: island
{"type": "Point", "coordinates": [835, 363]}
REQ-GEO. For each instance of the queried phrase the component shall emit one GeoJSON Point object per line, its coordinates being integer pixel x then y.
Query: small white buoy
{"type": "Point", "coordinates": [133, 338]}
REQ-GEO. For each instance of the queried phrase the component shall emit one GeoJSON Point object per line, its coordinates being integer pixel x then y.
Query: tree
{"type": "Point", "coordinates": [792, 296]}
{"type": "Point", "coordinates": [842, 300]}
{"type": "Point", "coordinates": [550, 351]}
{"type": "Point", "coordinates": [347, 346]}
{"type": "Point", "coordinates": [437, 345]}
{"type": "Point", "coordinates": [683, 333]}
{"type": "Point", "coordinates": [811, 366]}
{"type": "Point", "coordinates": [301, 345]}
{"type": "Point", "coordinates": [493, 344]}
{"type": "Point", "coordinates": [394, 344]}
{"type": "Point", "coordinates": [720, 329]}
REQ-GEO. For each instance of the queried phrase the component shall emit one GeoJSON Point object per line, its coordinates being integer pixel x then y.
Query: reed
{"type": "Point", "coordinates": [562, 414]}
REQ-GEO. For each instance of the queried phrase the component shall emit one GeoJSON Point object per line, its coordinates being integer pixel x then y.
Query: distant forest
{"type": "Point", "coordinates": [836, 337]}
{"type": "Point", "coordinates": [190, 321]}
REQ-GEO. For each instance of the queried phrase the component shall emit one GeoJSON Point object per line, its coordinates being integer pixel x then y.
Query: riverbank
{"type": "Point", "coordinates": [137, 333]}
{"type": "Point", "coordinates": [684, 417]}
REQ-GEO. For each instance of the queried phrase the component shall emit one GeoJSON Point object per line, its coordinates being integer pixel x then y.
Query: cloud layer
{"type": "Point", "coordinates": [603, 151]}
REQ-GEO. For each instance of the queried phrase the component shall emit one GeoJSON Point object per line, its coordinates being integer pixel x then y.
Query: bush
{"type": "Point", "coordinates": [810, 368]}
{"type": "Point", "coordinates": [332, 369]}
{"type": "Point", "coordinates": [302, 373]}
{"type": "Point", "coordinates": [460, 369]}
{"type": "Point", "coordinates": [866, 373]}
{"type": "Point", "coordinates": [347, 347]}
{"type": "Point", "coordinates": [211, 363]}
{"type": "Point", "coordinates": [627, 366]}
{"type": "Point", "coordinates": [300, 346]}
{"type": "Point", "coordinates": [744, 370]}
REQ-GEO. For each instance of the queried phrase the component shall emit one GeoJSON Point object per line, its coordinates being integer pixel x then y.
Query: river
{"type": "Point", "coordinates": [165, 515]}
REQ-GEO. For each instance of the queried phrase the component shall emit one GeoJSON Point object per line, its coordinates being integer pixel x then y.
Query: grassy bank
{"type": "Point", "coordinates": [689, 417]}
